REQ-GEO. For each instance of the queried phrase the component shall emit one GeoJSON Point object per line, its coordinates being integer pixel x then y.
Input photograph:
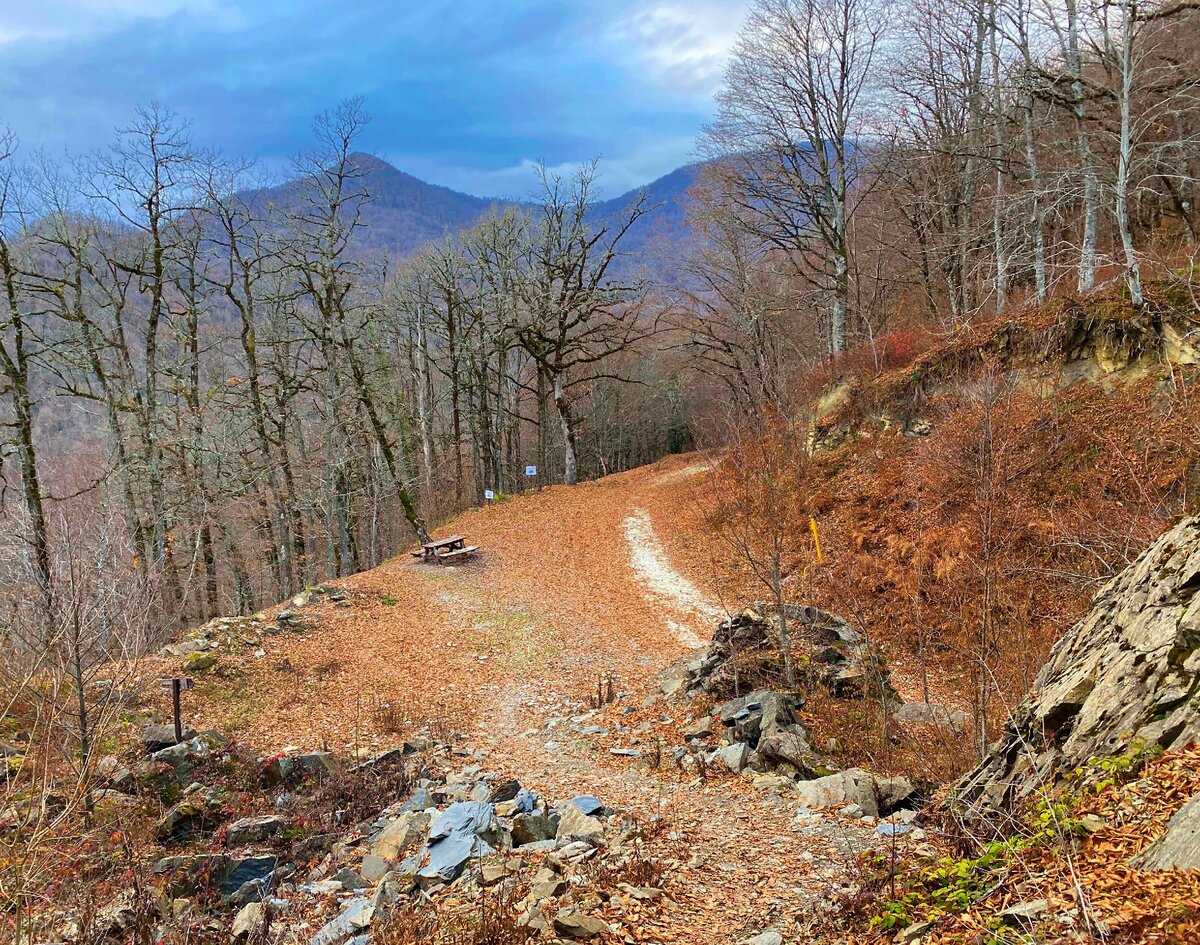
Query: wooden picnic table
{"type": "Point", "coordinates": [442, 550]}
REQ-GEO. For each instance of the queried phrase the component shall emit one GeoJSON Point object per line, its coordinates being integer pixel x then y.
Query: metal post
{"type": "Point", "coordinates": [176, 686]}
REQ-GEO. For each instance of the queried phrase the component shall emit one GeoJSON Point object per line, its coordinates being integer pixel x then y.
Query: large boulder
{"type": "Point", "coordinates": [1126, 677]}
{"type": "Point", "coordinates": [852, 786]}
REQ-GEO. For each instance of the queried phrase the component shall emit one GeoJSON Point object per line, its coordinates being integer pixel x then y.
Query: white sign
{"type": "Point", "coordinates": [530, 470]}
{"type": "Point", "coordinates": [489, 494]}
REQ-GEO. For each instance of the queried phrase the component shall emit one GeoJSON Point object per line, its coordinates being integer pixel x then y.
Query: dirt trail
{"type": "Point", "coordinates": [573, 584]}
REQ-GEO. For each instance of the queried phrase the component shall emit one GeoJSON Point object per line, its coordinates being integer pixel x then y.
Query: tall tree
{"type": "Point", "coordinates": [793, 128]}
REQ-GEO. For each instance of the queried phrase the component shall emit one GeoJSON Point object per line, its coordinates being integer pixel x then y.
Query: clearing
{"type": "Point", "coordinates": [573, 584]}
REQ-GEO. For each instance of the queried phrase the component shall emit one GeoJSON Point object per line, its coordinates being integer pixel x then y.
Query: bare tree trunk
{"type": "Point", "coordinates": [1133, 275]}
{"type": "Point", "coordinates": [570, 460]}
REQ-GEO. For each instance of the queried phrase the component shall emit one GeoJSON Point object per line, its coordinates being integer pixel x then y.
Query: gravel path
{"type": "Point", "coordinates": [573, 585]}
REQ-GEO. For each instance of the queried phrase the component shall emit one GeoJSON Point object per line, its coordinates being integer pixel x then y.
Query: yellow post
{"type": "Point", "coordinates": [812, 527]}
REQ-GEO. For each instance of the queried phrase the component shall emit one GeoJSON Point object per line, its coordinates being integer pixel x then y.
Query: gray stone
{"type": "Point", "coordinates": [250, 869]}
{"type": "Point", "coordinates": [769, 937]}
{"type": "Point", "coordinates": [464, 830]}
{"type": "Point", "coordinates": [350, 879]}
{"type": "Point", "coordinates": [400, 835]}
{"type": "Point", "coordinates": [578, 926]}
{"type": "Point", "coordinates": [577, 825]}
{"type": "Point", "coordinates": [1123, 678]}
{"type": "Point", "coordinates": [198, 811]}
{"type": "Point", "coordinates": [179, 758]}
{"type": "Point", "coordinates": [701, 727]}
{"type": "Point", "coordinates": [852, 786]}
{"type": "Point", "coordinates": [1179, 847]}
{"type": "Point", "coordinates": [533, 827]}
{"type": "Point", "coordinates": [199, 662]}
{"type": "Point", "coordinates": [1026, 911]}
{"type": "Point", "coordinates": [156, 737]}
{"type": "Point", "coordinates": [374, 868]}
{"type": "Point", "coordinates": [354, 918]}
{"type": "Point", "coordinates": [250, 830]}
{"type": "Point", "coordinates": [735, 756]}
{"type": "Point", "coordinates": [923, 713]}
{"type": "Point", "coordinates": [186, 874]}
{"type": "Point", "coordinates": [248, 921]}
{"type": "Point", "coordinates": [587, 803]}
{"type": "Point", "coordinates": [788, 747]}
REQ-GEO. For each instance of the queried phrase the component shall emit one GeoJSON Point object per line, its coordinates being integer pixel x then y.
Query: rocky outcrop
{"type": "Point", "coordinates": [744, 655]}
{"type": "Point", "coordinates": [1125, 678]}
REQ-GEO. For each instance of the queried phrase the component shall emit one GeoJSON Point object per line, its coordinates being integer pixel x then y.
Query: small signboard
{"type": "Point", "coordinates": [184, 683]}
{"type": "Point", "coordinates": [489, 494]}
{"type": "Point", "coordinates": [531, 471]}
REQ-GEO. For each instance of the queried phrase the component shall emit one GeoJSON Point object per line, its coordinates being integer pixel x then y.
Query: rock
{"type": "Point", "coordinates": [534, 827]}
{"type": "Point", "coordinates": [1026, 911]}
{"type": "Point", "coordinates": [923, 713]}
{"type": "Point", "coordinates": [789, 747]}
{"type": "Point", "coordinates": [587, 804]}
{"type": "Point", "coordinates": [250, 869]}
{"type": "Point", "coordinates": [199, 662]}
{"type": "Point", "coordinates": [892, 793]}
{"type": "Point", "coordinates": [184, 875]}
{"type": "Point", "coordinates": [248, 921]}
{"type": "Point", "coordinates": [735, 756]}
{"type": "Point", "coordinates": [355, 917]}
{"type": "Point", "coordinates": [769, 937]}
{"type": "Point", "coordinates": [913, 932]}
{"type": "Point", "coordinates": [1179, 847]}
{"type": "Point", "coordinates": [198, 811]}
{"type": "Point", "coordinates": [504, 791]}
{"type": "Point", "coordinates": [251, 830]}
{"type": "Point", "coordinates": [181, 760]}
{"type": "Point", "coordinates": [575, 925]}
{"type": "Point", "coordinates": [745, 648]}
{"type": "Point", "coordinates": [116, 776]}
{"type": "Point", "coordinates": [157, 737]}
{"type": "Point", "coordinates": [374, 868]}
{"type": "Point", "coordinates": [625, 752]}
{"type": "Point", "coordinates": [852, 786]}
{"type": "Point", "coordinates": [296, 768]}
{"type": "Point", "coordinates": [400, 835]}
{"type": "Point", "coordinates": [574, 824]}
{"type": "Point", "coordinates": [1123, 678]}
{"type": "Point", "coordinates": [853, 811]}
{"type": "Point", "coordinates": [463, 830]}
{"type": "Point", "coordinates": [547, 889]}
{"type": "Point", "coordinates": [349, 879]}
{"type": "Point", "coordinates": [699, 728]}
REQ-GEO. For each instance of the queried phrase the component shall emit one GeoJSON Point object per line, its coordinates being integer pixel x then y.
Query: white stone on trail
{"type": "Point", "coordinates": [664, 583]}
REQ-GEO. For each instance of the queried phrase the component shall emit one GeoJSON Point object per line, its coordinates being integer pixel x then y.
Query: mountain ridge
{"type": "Point", "coordinates": [406, 213]}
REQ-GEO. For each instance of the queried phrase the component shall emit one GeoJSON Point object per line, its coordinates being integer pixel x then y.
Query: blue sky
{"type": "Point", "coordinates": [467, 93]}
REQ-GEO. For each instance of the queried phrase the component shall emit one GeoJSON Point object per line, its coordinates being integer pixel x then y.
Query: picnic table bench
{"type": "Point", "coordinates": [443, 550]}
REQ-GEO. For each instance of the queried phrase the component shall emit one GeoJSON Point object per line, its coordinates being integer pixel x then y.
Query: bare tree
{"type": "Point", "coordinates": [793, 130]}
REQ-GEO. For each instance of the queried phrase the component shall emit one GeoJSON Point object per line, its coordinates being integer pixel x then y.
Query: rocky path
{"type": "Point", "coordinates": [574, 585]}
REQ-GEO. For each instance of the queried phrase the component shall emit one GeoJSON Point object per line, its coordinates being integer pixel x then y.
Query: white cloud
{"type": "Point", "coordinates": [683, 46]}
{"type": "Point", "coordinates": [60, 19]}
{"type": "Point", "coordinates": [616, 174]}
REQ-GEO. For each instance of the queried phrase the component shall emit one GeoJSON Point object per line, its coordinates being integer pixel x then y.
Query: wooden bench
{"type": "Point", "coordinates": [445, 549]}
{"type": "Point", "coordinates": [464, 552]}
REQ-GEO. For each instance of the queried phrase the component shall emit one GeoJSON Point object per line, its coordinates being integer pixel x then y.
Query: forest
{"type": "Point", "coordinates": [217, 390]}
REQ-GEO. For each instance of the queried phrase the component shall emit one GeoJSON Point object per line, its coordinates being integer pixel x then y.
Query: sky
{"type": "Point", "coordinates": [469, 94]}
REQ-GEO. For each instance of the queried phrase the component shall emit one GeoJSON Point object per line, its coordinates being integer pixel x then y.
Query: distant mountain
{"type": "Point", "coordinates": [665, 225]}
{"type": "Point", "coordinates": [406, 213]}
